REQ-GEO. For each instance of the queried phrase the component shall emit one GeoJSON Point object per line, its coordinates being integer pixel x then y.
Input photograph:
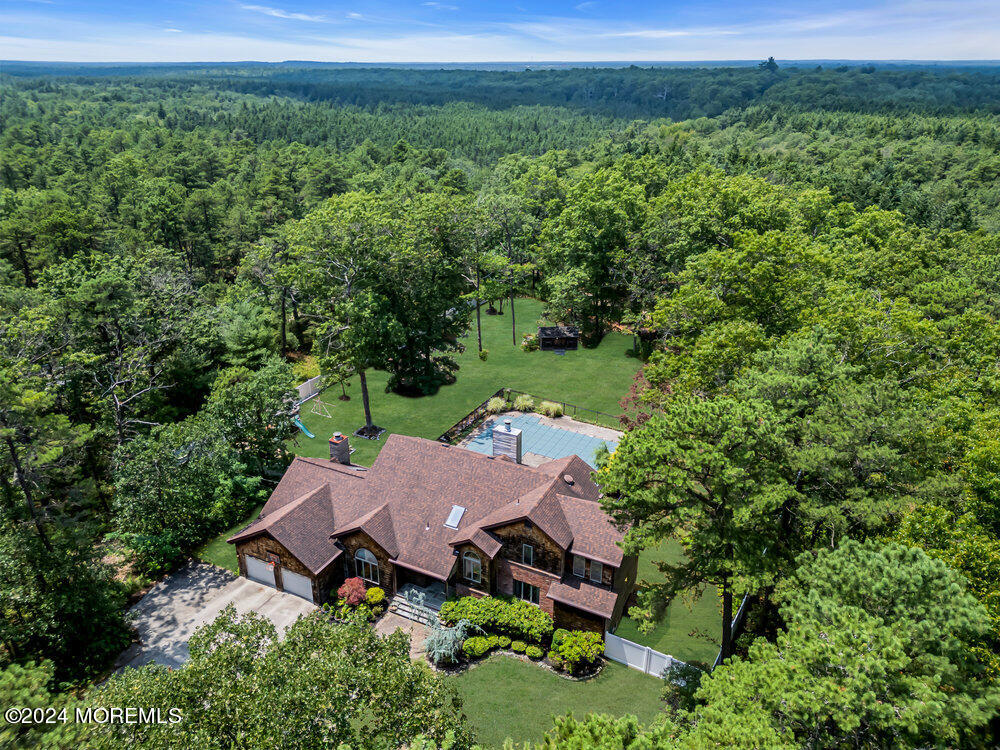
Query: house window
{"type": "Point", "coordinates": [596, 569]}
{"type": "Point", "coordinates": [366, 565]}
{"type": "Point", "coordinates": [472, 568]}
{"type": "Point", "coordinates": [579, 567]}
{"type": "Point", "coordinates": [527, 554]}
{"type": "Point", "coordinates": [526, 591]}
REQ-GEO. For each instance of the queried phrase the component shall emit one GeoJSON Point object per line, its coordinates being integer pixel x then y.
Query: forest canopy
{"type": "Point", "coordinates": [807, 258]}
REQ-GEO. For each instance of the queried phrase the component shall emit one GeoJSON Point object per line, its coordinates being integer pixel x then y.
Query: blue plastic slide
{"type": "Point", "coordinates": [298, 423]}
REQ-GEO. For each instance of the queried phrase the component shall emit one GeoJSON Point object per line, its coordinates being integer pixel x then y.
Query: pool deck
{"type": "Point", "coordinates": [544, 438]}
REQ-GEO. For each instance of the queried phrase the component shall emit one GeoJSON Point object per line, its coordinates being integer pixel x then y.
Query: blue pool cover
{"type": "Point", "coordinates": [536, 437]}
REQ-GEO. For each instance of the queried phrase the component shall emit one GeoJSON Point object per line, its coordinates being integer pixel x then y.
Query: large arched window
{"type": "Point", "coordinates": [366, 565]}
{"type": "Point", "coordinates": [472, 568]}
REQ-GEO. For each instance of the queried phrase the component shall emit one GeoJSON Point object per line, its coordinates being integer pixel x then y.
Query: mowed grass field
{"type": "Point", "coordinates": [593, 378]}
{"type": "Point", "coordinates": [506, 697]}
{"type": "Point", "coordinates": [220, 552]}
{"type": "Point", "coordinates": [682, 631]}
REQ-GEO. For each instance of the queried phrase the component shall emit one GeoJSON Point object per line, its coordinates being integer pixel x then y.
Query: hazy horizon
{"type": "Point", "coordinates": [430, 31]}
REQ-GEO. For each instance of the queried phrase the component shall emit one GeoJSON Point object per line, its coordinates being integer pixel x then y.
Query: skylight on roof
{"type": "Point", "coordinates": [455, 517]}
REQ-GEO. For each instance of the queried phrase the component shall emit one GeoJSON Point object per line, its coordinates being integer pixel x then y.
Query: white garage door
{"type": "Point", "coordinates": [260, 571]}
{"type": "Point", "coordinates": [296, 584]}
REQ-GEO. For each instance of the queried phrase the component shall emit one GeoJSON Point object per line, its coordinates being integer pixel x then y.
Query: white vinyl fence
{"type": "Point", "coordinates": [635, 656]}
{"type": "Point", "coordinates": [310, 388]}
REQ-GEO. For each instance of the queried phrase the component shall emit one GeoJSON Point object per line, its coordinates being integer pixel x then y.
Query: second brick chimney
{"type": "Point", "coordinates": [340, 449]}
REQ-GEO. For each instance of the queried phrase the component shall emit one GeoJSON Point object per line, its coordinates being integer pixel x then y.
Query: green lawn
{"type": "Point", "coordinates": [594, 378]}
{"type": "Point", "coordinates": [219, 552]}
{"type": "Point", "coordinates": [506, 697]}
{"type": "Point", "coordinates": [676, 633]}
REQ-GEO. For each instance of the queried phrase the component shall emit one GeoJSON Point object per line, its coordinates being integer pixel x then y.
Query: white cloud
{"type": "Point", "coordinates": [355, 16]}
{"type": "Point", "coordinates": [279, 13]}
{"type": "Point", "coordinates": [439, 6]}
{"type": "Point", "coordinates": [173, 31]}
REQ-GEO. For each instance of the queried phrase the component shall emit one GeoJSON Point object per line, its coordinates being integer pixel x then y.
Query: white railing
{"type": "Point", "coordinates": [310, 388]}
{"type": "Point", "coordinates": [639, 657]}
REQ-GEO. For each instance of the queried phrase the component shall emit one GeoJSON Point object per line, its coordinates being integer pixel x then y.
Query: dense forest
{"type": "Point", "coordinates": [810, 262]}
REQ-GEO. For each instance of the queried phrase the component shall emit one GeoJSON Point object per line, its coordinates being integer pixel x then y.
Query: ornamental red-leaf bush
{"type": "Point", "coordinates": [352, 591]}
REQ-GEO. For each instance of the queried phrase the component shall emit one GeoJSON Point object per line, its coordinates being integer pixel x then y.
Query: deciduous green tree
{"type": "Point", "coordinates": [320, 685]}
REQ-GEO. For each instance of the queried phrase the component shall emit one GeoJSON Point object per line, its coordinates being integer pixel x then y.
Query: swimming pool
{"type": "Point", "coordinates": [551, 442]}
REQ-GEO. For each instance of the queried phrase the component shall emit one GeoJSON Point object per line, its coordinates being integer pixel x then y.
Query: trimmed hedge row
{"type": "Point", "coordinates": [509, 617]}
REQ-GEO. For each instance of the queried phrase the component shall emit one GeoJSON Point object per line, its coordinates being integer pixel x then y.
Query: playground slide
{"type": "Point", "coordinates": [298, 423]}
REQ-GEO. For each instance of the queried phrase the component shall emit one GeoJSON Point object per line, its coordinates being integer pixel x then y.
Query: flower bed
{"type": "Point", "coordinates": [354, 600]}
{"type": "Point", "coordinates": [474, 628]}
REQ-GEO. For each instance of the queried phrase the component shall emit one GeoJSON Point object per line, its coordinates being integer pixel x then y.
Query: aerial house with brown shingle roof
{"type": "Point", "coordinates": [428, 512]}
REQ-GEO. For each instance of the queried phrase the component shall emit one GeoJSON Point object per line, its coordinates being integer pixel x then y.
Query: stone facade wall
{"type": "Point", "coordinates": [509, 571]}
{"type": "Point", "coordinates": [485, 586]}
{"type": "Point", "coordinates": [352, 543]}
{"type": "Point", "coordinates": [548, 555]}
{"type": "Point", "coordinates": [571, 618]}
{"type": "Point", "coordinates": [263, 546]}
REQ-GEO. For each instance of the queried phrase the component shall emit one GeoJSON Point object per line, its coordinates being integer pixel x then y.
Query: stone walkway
{"type": "Point", "coordinates": [418, 632]}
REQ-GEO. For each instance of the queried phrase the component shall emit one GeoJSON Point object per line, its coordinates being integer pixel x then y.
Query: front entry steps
{"type": "Point", "coordinates": [418, 604]}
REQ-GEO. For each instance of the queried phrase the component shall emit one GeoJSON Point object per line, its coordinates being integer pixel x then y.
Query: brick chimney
{"type": "Point", "coordinates": [340, 449]}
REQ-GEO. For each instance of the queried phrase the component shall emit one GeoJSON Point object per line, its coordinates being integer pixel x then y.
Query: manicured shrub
{"type": "Point", "coordinates": [534, 652]}
{"type": "Point", "coordinates": [530, 342]}
{"type": "Point", "coordinates": [493, 642]}
{"type": "Point", "coordinates": [550, 409]}
{"type": "Point", "coordinates": [483, 355]}
{"type": "Point", "coordinates": [557, 637]}
{"type": "Point", "coordinates": [579, 649]}
{"type": "Point", "coordinates": [504, 642]}
{"type": "Point", "coordinates": [556, 660]}
{"type": "Point", "coordinates": [518, 647]}
{"type": "Point", "coordinates": [476, 646]}
{"type": "Point", "coordinates": [501, 616]}
{"type": "Point", "coordinates": [374, 596]}
{"type": "Point", "coordinates": [496, 405]}
{"type": "Point", "coordinates": [352, 591]}
{"type": "Point", "coordinates": [524, 402]}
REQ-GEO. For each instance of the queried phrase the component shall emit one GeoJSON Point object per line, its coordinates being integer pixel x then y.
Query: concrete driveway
{"type": "Point", "coordinates": [167, 616]}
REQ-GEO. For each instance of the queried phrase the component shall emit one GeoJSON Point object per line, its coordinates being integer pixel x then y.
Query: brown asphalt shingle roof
{"type": "Point", "coordinates": [303, 526]}
{"type": "Point", "coordinates": [593, 534]}
{"type": "Point", "coordinates": [584, 595]}
{"type": "Point", "coordinates": [302, 476]}
{"type": "Point", "coordinates": [579, 471]}
{"type": "Point", "coordinates": [378, 525]}
{"type": "Point", "coordinates": [403, 501]}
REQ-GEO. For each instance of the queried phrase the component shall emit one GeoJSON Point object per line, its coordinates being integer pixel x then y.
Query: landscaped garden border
{"type": "Point", "coordinates": [471, 628]}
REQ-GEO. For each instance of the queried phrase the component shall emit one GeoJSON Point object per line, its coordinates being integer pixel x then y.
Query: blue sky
{"type": "Point", "coordinates": [523, 30]}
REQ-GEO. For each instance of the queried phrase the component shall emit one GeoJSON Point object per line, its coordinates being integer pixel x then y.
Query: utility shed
{"type": "Point", "coordinates": [558, 337]}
